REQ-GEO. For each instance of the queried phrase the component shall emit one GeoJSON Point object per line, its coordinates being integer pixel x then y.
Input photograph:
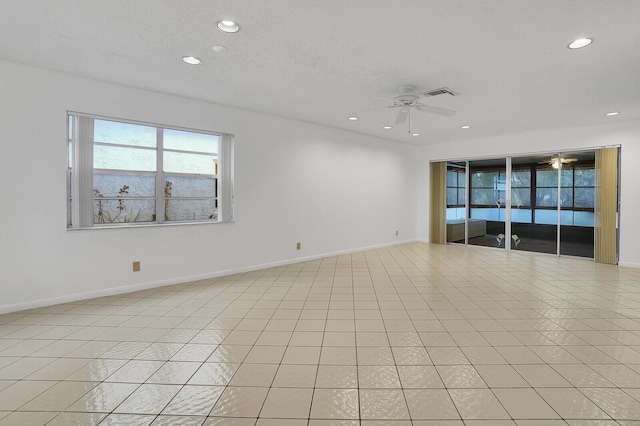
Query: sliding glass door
{"type": "Point", "coordinates": [487, 203]}
{"type": "Point", "coordinates": [543, 203]}
{"type": "Point", "coordinates": [577, 202]}
{"type": "Point", "coordinates": [533, 202]}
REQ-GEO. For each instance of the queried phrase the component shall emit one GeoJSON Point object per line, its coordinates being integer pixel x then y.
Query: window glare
{"type": "Point", "coordinates": [180, 162]}
{"type": "Point", "coordinates": [124, 133]}
{"type": "Point", "coordinates": [190, 141]}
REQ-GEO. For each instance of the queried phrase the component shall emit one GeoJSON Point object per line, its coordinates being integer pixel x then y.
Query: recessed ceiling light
{"type": "Point", "coordinates": [466, 126]}
{"type": "Point", "coordinates": [612, 113]}
{"type": "Point", "coordinates": [228, 26]}
{"type": "Point", "coordinates": [218, 48]}
{"type": "Point", "coordinates": [191, 60]}
{"type": "Point", "coordinates": [415, 134]}
{"type": "Point", "coordinates": [353, 118]}
{"type": "Point", "coordinates": [580, 43]}
{"type": "Point", "coordinates": [388, 127]}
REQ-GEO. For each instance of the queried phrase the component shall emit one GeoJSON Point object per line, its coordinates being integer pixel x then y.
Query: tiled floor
{"type": "Point", "coordinates": [414, 334]}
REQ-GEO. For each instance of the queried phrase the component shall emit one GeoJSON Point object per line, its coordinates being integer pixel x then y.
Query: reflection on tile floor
{"type": "Point", "coordinates": [414, 334]}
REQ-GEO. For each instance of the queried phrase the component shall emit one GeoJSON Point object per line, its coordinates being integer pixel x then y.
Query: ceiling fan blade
{"type": "Point", "coordinates": [373, 109]}
{"type": "Point", "coordinates": [435, 110]}
{"type": "Point", "coordinates": [402, 115]}
{"type": "Point", "coordinates": [568, 160]}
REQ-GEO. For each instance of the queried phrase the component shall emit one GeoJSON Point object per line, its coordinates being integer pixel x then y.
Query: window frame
{"type": "Point", "coordinates": [572, 187]}
{"type": "Point", "coordinates": [457, 187]}
{"type": "Point", "coordinates": [533, 205]}
{"type": "Point", "coordinates": [500, 171]}
{"type": "Point", "coordinates": [80, 174]}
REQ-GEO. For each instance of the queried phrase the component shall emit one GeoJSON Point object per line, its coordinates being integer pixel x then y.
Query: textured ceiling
{"type": "Point", "coordinates": [321, 61]}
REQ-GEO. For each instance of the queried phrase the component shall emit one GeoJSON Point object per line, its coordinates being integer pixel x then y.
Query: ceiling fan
{"type": "Point", "coordinates": [408, 99]}
{"type": "Point", "coordinates": [555, 162]}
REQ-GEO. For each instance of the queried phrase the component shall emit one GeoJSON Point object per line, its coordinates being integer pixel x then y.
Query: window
{"type": "Point", "coordinates": [577, 193]}
{"type": "Point", "coordinates": [521, 187]}
{"type": "Point", "coordinates": [123, 172]}
{"type": "Point", "coordinates": [521, 211]}
{"type": "Point", "coordinates": [488, 187]}
{"type": "Point", "coordinates": [456, 187]}
{"type": "Point", "coordinates": [584, 184]}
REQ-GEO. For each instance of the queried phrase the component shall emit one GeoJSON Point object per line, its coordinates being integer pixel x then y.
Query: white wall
{"type": "Point", "coordinates": [618, 132]}
{"type": "Point", "coordinates": [332, 190]}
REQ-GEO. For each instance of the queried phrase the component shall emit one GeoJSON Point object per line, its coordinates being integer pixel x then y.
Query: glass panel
{"type": "Point", "coordinates": [452, 178]}
{"type": "Point", "coordinates": [488, 195]}
{"type": "Point", "coordinates": [124, 158]}
{"type": "Point", "coordinates": [188, 186]}
{"type": "Point", "coordinates": [452, 196]}
{"type": "Point", "coordinates": [70, 127]}
{"type": "Point", "coordinates": [585, 177]}
{"type": "Point", "coordinates": [462, 176]}
{"type": "Point", "coordinates": [456, 213]}
{"type": "Point", "coordinates": [547, 197]}
{"type": "Point", "coordinates": [576, 227]}
{"type": "Point", "coordinates": [583, 219]}
{"type": "Point", "coordinates": [521, 178]}
{"type": "Point", "coordinates": [549, 217]}
{"type": "Point", "coordinates": [520, 197]}
{"type": "Point", "coordinates": [190, 141]}
{"type": "Point", "coordinates": [584, 197]}
{"type": "Point", "coordinates": [547, 178]}
{"type": "Point", "coordinates": [191, 210]}
{"type": "Point", "coordinates": [70, 141]}
{"type": "Point", "coordinates": [525, 234]}
{"type": "Point", "coordinates": [111, 185]}
{"type": "Point", "coordinates": [180, 162]}
{"type": "Point", "coordinates": [566, 217]}
{"type": "Point", "coordinates": [567, 176]}
{"type": "Point", "coordinates": [566, 197]}
{"type": "Point", "coordinates": [123, 211]}
{"type": "Point", "coordinates": [484, 196]}
{"type": "Point", "coordinates": [124, 133]}
{"type": "Point", "coordinates": [462, 194]}
{"type": "Point", "coordinates": [521, 215]}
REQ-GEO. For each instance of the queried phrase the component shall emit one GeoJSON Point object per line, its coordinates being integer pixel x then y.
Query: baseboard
{"type": "Point", "coordinates": [74, 297]}
{"type": "Point", "coordinates": [629, 264]}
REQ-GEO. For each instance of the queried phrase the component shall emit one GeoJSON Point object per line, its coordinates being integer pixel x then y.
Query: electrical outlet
{"type": "Point", "coordinates": [297, 246]}
{"type": "Point", "coordinates": [396, 233]}
{"type": "Point", "coordinates": [136, 266]}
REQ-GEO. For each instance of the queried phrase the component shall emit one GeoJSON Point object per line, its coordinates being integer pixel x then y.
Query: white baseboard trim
{"type": "Point", "coordinates": [74, 297]}
{"type": "Point", "coordinates": [629, 264]}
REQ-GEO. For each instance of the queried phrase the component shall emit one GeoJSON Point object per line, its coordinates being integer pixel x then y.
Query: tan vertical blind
{"type": "Point", "coordinates": [438, 203]}
{"type": "Point", "coordinates": [606, 206]}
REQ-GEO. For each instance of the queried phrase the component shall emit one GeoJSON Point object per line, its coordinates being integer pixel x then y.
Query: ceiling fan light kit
{"type": "Point", "coordinates": [555, 162]}
{"type": "Point", "coordinates": [408, 99]}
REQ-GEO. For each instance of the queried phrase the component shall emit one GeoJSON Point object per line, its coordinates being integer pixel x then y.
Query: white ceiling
{"type": "Point", "coordinates": [323, 60]}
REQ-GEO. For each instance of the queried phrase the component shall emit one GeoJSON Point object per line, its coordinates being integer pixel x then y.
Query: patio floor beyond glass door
{"type": "Point", "coordinates": [487, 200]}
